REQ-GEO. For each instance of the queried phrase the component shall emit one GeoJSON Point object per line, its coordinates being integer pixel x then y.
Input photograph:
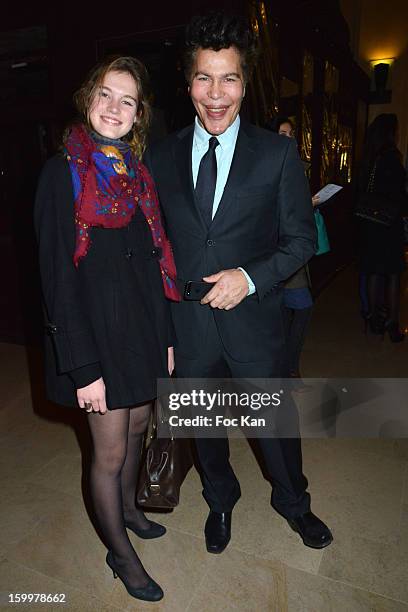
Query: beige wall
{"type": "Point", "coordinates": [379, 30]}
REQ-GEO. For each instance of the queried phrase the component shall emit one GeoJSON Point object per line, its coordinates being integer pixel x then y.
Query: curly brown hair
{"type": "Point", "coordinates": [84, 96]}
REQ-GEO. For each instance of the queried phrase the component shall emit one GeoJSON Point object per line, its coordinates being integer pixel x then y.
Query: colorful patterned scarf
{"type": "Point", "coordinates": [109, 182]}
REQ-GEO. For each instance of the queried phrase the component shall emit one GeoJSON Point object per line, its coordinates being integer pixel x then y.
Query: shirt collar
{"type": "Point", "coordinates": [226, 139]}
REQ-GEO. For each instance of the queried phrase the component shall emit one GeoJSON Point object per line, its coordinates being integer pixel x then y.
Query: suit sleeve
{"type": "Point", "coordinates": [67, 323]}
{"type": "Point", "coordinates": [296, 228]}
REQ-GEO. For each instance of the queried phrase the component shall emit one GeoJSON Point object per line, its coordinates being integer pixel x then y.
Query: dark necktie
{"type": "Point", "coordinates": [206, 181]}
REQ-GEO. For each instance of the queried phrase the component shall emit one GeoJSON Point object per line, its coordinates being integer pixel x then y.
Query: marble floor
{"type": "Point", "coordinates": [358, 486]}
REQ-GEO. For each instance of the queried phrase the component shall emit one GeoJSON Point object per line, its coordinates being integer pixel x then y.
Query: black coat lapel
{"type": "Point", "coordinates": [242, 162]}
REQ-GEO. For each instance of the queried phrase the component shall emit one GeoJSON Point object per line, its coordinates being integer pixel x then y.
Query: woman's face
{"type": "Point", "coordinates": [113, 109]}
{"type": "Point", "coordinates": [286, 129]}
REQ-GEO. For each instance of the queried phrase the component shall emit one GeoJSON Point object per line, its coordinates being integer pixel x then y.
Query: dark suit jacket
{"type": "Point", "coordinates": [264, 224]}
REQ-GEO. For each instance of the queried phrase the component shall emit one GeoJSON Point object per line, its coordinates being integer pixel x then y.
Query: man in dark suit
{"type": "Point", "coordinates": [239, 214]}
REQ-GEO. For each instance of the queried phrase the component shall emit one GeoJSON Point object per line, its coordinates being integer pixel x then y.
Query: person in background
{"type": "Point", "coordinates": [297, 297]}
{"type": "Point", "coordinates": [106, 269]}
{"type": "Point", "coordinates": [381, 247]}
{"type": "Point", "coordinates": [282, 125]}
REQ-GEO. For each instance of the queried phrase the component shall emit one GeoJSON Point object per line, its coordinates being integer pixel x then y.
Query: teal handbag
{"type": "Point", "coordinates": [323, 244]}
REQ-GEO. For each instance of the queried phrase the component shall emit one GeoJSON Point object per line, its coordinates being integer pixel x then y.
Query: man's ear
{"type": "Point", "coordinates": [243, 93]}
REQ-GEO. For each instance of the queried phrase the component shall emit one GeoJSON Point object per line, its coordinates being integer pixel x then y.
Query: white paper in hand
{"type": "Point", "coordinates": [327, 192]}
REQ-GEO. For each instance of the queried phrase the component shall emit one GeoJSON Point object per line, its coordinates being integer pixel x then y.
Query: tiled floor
{"type": "Point", "coordinates": [360, 487]}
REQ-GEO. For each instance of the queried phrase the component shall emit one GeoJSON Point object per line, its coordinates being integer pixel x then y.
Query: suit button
{"type": "Point", "coordinates": [210, 242]}
{"type": "Point", "coordinates": [128, 253]}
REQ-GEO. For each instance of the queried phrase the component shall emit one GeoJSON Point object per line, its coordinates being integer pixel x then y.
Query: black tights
{"type": "Point", "coordinates": [117, 444]}
{"type": "Point", "coordinates": [389, 286]}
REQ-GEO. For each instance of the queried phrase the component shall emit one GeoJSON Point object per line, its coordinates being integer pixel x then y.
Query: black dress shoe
{"type": "Point", "coordinates": [217, 531]}
{"type": "Point", "coordinates": [312, 530]}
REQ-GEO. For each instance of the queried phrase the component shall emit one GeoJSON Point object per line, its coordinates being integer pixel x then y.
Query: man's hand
{"type": "Point", "coordinates": [92, 397]}
{"type": "Point", "coordinates": [231, 287]}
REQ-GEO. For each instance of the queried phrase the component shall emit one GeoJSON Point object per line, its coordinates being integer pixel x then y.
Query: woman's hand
{"type": "Point", "coordinates": [92, 397]}
{"type": "Point", "coordinates": [170, 359]}
{"type": "Point", "coordinates": [315, 200]}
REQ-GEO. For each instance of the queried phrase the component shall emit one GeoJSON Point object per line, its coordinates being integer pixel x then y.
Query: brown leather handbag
{"type": "Point", "coordinates": [166, 464]}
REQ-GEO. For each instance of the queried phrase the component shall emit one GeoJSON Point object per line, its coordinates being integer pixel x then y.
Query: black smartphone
{"type": "Point", "coordinates": [196, 290]}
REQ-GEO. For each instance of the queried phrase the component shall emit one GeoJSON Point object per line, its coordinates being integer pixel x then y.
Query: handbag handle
{"type": "Point", "coordinates": [163, 460]}
{"type": "Point", "coordinates": [158, 414]}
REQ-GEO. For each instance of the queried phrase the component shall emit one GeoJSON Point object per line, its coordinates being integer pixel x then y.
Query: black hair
{"type": "Point", "coordinates": [277, 121]}
{"type": "Point", "coordinates": [220, 31]}
{"type": "Point", "coordinates": [381, 137]}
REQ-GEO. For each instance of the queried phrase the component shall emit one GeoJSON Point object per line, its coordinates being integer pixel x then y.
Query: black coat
{"type": "Point", "coordinates": [381, 248]}
{"type": "Point", "coordinates": [264, 224]}
{"type": "Point", "coordinates": [109, 316]}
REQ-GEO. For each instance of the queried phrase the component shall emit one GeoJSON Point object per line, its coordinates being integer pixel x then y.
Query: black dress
{"type": "Point", "coordinates": [381, 248]}
{"type": "Point", "coordinates": [108, 317]}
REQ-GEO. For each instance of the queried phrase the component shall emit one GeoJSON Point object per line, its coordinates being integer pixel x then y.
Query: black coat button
{"type": "Point", "coordinates": [128, 253]}
{"type": "Point", "coordinates": [210, 242]}
{"type": "Point", "coordinates": [51, 328]}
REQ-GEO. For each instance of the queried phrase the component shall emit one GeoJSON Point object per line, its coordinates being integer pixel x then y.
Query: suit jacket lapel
{"type": "Point", "coordinates": [182, 153]}
{"type": "Point", "coordinates": [242, 162]}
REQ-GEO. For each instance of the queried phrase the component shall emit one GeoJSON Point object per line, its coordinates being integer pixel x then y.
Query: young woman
{"type": "Point", "coordinates": [107, 269]}
{"type": "Point", "coordinates": [381, 247]}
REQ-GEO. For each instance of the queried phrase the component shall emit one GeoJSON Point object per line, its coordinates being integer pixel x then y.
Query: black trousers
{"type": "Point", "coordinates": [296, 321]}
{"type": "Point", "coordinates": [282, 456]}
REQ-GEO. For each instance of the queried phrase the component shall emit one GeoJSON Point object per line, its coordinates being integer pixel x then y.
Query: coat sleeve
{"type": "Point", "coordinates": [171, 337]}
{"type": "Point", "coordinates": [297, 230]}
{"type": "Point", "coordinates": [391, 180]}
{"type": "Point", "coordinates": [67, 323]}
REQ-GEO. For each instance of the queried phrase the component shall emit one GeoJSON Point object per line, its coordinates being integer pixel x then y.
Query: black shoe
{"type": "Point", "coordinates": [394, 332]}
{"type": "Point", "coordinates": [151, 592]}
{"type": "Point", "coordinates": [217, 531]}
{"type": "Point", "coordinates": [312, 530]}
{"type": "Point", "coordinates": [375, 323]}
{"type": "Point", "coordinates": [155, 530]}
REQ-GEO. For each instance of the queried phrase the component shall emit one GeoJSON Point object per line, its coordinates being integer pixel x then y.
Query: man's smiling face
{"type": "Point", "coordinates": [217, 88]}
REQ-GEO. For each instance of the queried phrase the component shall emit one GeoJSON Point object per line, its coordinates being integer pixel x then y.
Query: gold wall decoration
{"type": "Point", "coordinates": [306, 135]}
{"type": "Point", "coordinates": [263, 89]}
{"type": "Point", "coordinates": [329, 165]}
{"type": "Point", "coordinates": [337, 142]}
{"type": "Point", "coordinates": [345, 153]}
